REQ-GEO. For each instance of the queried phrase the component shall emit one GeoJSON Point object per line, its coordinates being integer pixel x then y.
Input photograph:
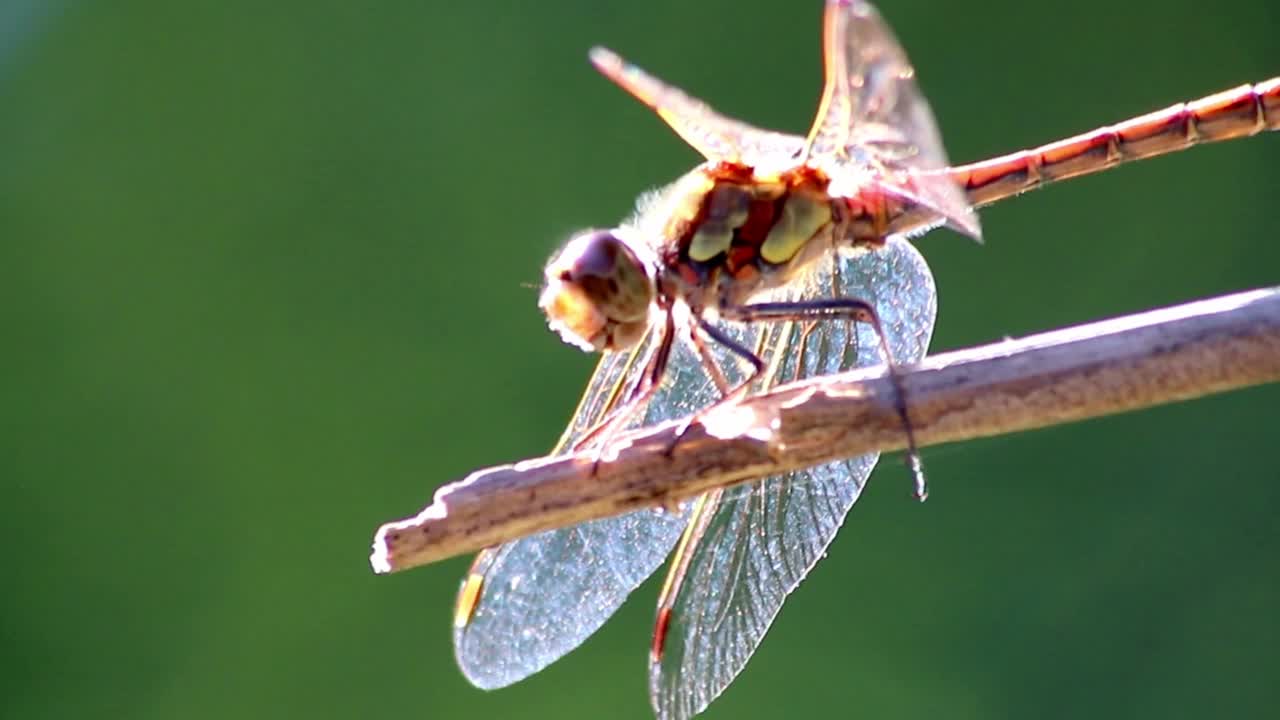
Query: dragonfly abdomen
{"type": "Point", "coordinates": [1239, 112]}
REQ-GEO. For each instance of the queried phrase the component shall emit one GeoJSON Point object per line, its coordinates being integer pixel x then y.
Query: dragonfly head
{"type": "Point", "coordinates": [598, 292]}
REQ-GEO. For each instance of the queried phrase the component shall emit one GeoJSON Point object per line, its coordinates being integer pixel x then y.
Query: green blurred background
{"type": "Point", "coordinates": [266, 280]}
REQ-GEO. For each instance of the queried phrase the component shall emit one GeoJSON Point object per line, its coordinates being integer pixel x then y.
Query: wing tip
{"type": "Point", "coordinates": [969, 226]}
{"type": "Point", "coordinates": [605, 60]}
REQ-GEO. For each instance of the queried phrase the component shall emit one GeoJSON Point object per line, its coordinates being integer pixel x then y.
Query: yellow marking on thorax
{"type": "Point", "coordinates": [726, 208]}
{"type": "Point", "coordinates": [802, 216]}
{"type": "Point", "coordinates": [708, 243]}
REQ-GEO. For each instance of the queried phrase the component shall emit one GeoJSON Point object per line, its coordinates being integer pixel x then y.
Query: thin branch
{"type": "Point", "coordinates": [1133, 362]}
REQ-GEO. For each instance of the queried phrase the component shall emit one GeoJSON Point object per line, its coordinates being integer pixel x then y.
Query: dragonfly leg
{"type": "Point", "coordinates": [708, 362]}
{"type": "Point", "coordinates": [846, 309]}
{"type": "Point", "coordinates": [646, 386]}
{"type": "Point", "coordinates": [727, 393]}
{"type": "Point", "coordinates": [733, 346]}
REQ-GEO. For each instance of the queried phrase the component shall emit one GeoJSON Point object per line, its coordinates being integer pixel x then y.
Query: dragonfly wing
{"type": "Point", "coordinates": [545, 594]}
{"type": "Point", "coordinates": [718, 138]}
{"type": "Point", "coordinates": [746, 548]}
{"type": "Point", "coordinates": [526, 603]}
{"type": "Point", "coordinates": [873, 122]}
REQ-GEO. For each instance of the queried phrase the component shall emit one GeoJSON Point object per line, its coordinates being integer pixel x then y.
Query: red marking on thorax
{"type": "Point", "coordinates": [761, 214]}
{"type": "Point", "coordinates": [688, 273]}
{"type": "Point", "coordinates": [732, 172]}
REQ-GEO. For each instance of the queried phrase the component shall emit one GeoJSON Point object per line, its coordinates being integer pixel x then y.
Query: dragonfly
{"type": "Point", "coordinates": [780, 257]}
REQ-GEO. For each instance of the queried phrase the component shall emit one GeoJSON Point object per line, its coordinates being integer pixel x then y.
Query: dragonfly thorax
{"type": "Point", "coordinates": [731, 232]}
{"type": "Point", "coordinates": [598, 292]}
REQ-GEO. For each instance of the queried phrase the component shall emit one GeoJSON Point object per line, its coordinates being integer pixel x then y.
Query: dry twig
{"type": "Point", "coordinates": [1113, 366]}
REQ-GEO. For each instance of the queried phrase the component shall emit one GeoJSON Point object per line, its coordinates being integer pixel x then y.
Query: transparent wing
{"type": "Point", "coordinates": [748, 547]}
{"type": "Point", "coordinates": [873, 123]}
{"type": "Point", "coordinates": [526, 603]}
{"type": "Point", "coordinates": [717, 137]}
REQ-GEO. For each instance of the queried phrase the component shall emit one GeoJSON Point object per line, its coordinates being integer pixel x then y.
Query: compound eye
{"type": "Point", "coordinates": [598, 253]}
{"type": "Point", "coordinates": [596, 286]}
{"type": "Point", "coordinates": [610, 274]}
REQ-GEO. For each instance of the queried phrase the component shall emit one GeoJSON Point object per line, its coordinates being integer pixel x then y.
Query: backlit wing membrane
{"type": "Point", "coordinates": [717, 137]}
{"type": "Point", "coordinates": [528, 602]}
{"type": "Point", "coordinates": [748, 547]}
{"type": "Point", "coordinates": [873, 123]}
